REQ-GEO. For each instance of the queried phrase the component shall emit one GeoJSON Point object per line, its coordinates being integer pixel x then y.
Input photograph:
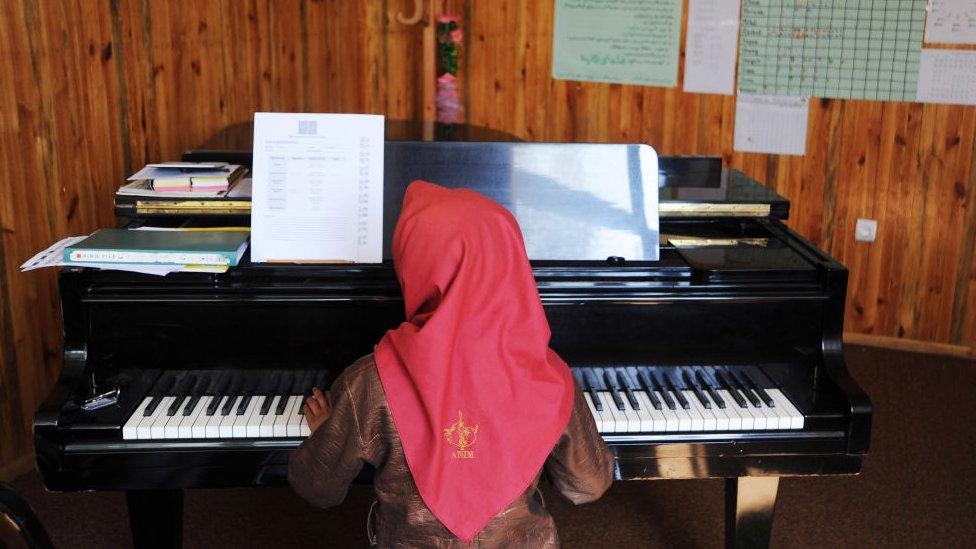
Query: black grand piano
{"type": "Point", "coordinates": [719, 358]}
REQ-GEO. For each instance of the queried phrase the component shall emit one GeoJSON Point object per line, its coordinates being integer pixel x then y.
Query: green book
{"type": "Point", "coordinates": [160, 247]}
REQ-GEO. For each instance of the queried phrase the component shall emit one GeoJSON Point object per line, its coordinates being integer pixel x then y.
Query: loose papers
{"type": "Point", "coordinates": [317, 188]}
{"type": "Point", "coordinates": [947, 76]}
{"type": "Point", "coordinates": [622, 41]}
{"type": "Point", "coordinates": [771, 124]}
{"type": "Point", "coordinates": [951, 22]}
{"type": "Point", "coordinates": [713, 33]}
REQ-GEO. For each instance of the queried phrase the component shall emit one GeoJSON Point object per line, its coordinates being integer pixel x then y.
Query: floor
{"type": "Point", "coordinates": [916, 488]}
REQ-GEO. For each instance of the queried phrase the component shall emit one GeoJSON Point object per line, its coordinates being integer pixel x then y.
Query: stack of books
{"type": "Point", "coordinates": [179, 178]}
{"type": "Point", "coordinates": [159, 247]}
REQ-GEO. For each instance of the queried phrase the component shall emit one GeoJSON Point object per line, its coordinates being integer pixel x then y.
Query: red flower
{"type": "Point", "coordinates": [447, 18]}
{"type": "Point", "coordinates": [456, 36]}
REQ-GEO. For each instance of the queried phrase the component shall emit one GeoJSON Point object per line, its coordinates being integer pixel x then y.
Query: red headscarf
{"type": "Point", "coordinates": [478, 397]}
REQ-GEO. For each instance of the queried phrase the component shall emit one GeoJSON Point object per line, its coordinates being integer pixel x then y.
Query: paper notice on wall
{"type": "Point", "coordinates": [713, 39]}
{"type": "Point", "coordinates": [947, 76]}
{"type": "Point", "coordinates": [951, 22]}
{"type": "Point", "coordinates": [621, 41]}
{"type": "Point", "coordinates": [773, 124]}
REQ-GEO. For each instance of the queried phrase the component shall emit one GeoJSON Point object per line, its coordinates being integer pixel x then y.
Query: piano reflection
{"type": "Point", "coordinates": [707, 347]}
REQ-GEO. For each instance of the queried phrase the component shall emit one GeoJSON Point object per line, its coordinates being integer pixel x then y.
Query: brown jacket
{"type": "Point", "coordinates": [362, 431]}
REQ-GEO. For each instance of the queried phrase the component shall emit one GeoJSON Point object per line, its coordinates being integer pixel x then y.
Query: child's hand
{"type": "Point", "coordinates": [317, 409]}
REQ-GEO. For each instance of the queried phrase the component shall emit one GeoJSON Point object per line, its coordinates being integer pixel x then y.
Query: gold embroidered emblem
{"type": "Point", "coordinates": [461, 436]}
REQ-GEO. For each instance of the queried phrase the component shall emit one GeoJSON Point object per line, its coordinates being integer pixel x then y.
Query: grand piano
{"type": "Point", "coordinates": [708, 345]}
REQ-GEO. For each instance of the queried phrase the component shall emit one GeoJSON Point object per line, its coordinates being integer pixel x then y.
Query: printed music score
{"type": "Point", "coordinates": [317, 188]}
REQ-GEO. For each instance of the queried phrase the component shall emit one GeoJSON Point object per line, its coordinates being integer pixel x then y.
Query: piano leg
{"type": "Point", "coordinates": [156, 518]}
{"type": "Point", "coordinates": [749, 506]}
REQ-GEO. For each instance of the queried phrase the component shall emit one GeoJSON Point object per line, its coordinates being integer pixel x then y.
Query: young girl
{"type": "Point", "coordinates": [461, 406]}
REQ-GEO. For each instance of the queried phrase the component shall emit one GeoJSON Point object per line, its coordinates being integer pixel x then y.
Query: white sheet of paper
{"type": "Point", "coordinates": [713, 40]}
{"type": "Point", "coordinates": [771, 124]}
{"type": "Point", "coordinates": [317, 184]}
{"type": "Point", "coordinates": [951, 22]}
{"type": "Point", "coordinates": [947, 76]}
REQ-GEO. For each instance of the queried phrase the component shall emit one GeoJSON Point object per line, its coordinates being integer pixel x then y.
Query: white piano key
{"type": "Point", "coordinates": [305, 431]}
{"type": "Point", "coordinates": [631, 419]}
{"type": "Point", "coordinates": [242, 421]}
{"type": "Point", "coordinates": [597, 416]}
{"type": "Point", "coordinates": [160, 419]}
{"type": "Point", "coordinates": [186, 426]}
{"type": "Point", "coordinates": [782, 417]}
{"type": "Point", "coordinates": [294, 423]}
{"type": "Point", "coordinates": [253, 425]}
{"type": "Point", "coordinates": [280, 427]}
{"type": "Point", "coordinates": [199, 427]}
{"type": "Point", "coordinates": [684, 417]}
{"type": "Point", "coordinates": [646, 414]}
{"type": "Point", "coordinates": [226, 425]}
{"type": "Point", "coordinates": [213, 423]}
{"type": "Point", "coordinates": [144, 429]}
{"type": "Point", "coordinates": [722, 421]}
{"type": "Point", "coordinates": [796, 418]}
{"type": "Point", "coordinates": [610, 412]}
{"type": "Point", "coordinates": [697, 419]}
{"type": "Point", "coordinates": [132, 424]}
{"type": "Point", "coordinates": [748, 417]}
{"type": "Point", "coordinates": [759, 416]}
{"type": "Point", "coordinates": [671, 419]}
{"type": "Point", "coordinates": [731, 410]}
{"type": "Point", "coordinates": [266, 428]}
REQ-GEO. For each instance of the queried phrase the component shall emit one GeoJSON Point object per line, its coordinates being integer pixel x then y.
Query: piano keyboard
{"type": "Point", "coordinates": [647, 399]}
{"type": "Point", "coordinates": [205, 404]}
{"type": "Point", "coordinates": [631, 400]}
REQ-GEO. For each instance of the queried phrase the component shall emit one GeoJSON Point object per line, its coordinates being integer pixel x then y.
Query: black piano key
{"type": "Point", "coordinates": [228, 405]}
{"type": "Point", "coordinates": [233, 389]}
{"type": "Point", "coordinates": [217, 389]}
{"type": "Point", "coordinates": [242, 407]}
{"type": "Point", "coordinates": [711, 392]}
{"type": "Point", "coordinates": [697, 392]}
{"type": "Point", "coordinates": [202, 384]}
{"type": "Point", "coordinates": [592, 387]}
{"type": "Point", "coordinates": [745, 390]}
{"type": "Point", "coordinates": [282, 402]}
{"type": "Point", "coordinates": [614, 389]}
{"type": "Point", "coordinates": [191, 404]}
{"type": "Point", "coordinates": [649, 390]}
{"type": "Point", "coordinates": [275, 387]}
{"type": "Point", "coordinates": [682, 401]}
{"type": "Point", "coordinates": [650, 381]}
{"type": "Point", "coordinates": [181, 394]}
{"type": "Point", "coordinates": [214, 403]}
{"type": "Point", "coordinates": [158, 392]}
{"type": "Point", "coordinates": [728, 386]}
{"type": "Point", "coordinates": [759, 391]}
{"type": "Point", "coordinates": [629, 387]}
{"type": "Point", "coordinates": [266, 404]}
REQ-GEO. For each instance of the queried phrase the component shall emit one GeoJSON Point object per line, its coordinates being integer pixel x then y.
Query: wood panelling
{"type": "Point", "coordinates": [91, 90]}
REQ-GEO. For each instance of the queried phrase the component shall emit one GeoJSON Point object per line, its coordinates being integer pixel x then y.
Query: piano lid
{"type": "Point", "coordinates": [582, 202]}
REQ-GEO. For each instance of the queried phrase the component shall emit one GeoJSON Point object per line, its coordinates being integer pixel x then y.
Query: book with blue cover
{"type": "Point", "coordinates": [160, 247]}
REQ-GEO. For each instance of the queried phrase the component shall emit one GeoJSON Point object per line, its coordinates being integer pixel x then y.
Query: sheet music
{"type": "Point", "coordinates": [713, 32]}
{"type": "Point", "coordinates": [771, 124]}
{"type": "Point", "coordinates": [317, 188]}
{"type": "Point", "coordinates": [951, 22]}
{"type": "Point", "coordinates": [947, 76]}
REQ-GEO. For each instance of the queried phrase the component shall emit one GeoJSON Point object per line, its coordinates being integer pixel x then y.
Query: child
{"type": "Point", "coordinates": [461, 406]}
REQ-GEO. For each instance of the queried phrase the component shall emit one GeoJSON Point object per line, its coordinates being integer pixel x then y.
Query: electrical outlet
{"type": "Point", "coordinates": [866, 230]}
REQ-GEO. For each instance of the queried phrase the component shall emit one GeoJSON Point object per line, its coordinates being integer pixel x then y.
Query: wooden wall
{"type": "Point", "coordinates": [90, 90]}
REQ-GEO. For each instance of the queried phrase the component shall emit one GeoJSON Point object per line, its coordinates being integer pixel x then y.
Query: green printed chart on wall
{"type": "Point", "coordinates": [845, 49]}
{"type": "Point", "coordinates": [620, 41]}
